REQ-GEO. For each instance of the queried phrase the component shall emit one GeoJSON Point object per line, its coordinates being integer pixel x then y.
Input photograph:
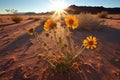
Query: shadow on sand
{"type": "Point", "coordinates": [3, 25]}
{"type": "Point", "coordinates": [19, 42]}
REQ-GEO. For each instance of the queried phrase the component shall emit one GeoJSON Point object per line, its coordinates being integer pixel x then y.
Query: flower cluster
{"type": "Point", "coordinates": [68, 57]}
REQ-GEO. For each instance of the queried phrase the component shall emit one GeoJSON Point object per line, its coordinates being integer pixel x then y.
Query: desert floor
{"type": "Point", "coordinates": [19, 50]}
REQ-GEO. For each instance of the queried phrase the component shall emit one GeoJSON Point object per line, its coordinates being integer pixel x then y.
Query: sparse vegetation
{"type": "Point", "coordinates": [12, 11]}
{"type": "Point", "coordinates": [17, 19]}
{"type": "Point", "coordinates": [61, 45]}
{"type": "Point", "coordinates": [103, 14]}
{"type": "Point", "coordinates": [66, 59]}
{"type": "Point", "coordinates": [36, 19]}
{"type": "Point", "coordinates": [89, 22]}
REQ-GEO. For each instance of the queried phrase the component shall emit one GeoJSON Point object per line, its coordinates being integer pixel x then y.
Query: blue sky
{"type": "Point", "coordinates": [45, 5]}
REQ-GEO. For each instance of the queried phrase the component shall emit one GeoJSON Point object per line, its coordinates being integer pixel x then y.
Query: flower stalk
{"type": "Point", "coordinates": [67, 56]}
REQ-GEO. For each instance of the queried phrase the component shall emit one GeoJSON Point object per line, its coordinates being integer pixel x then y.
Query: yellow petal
{"type": "Point", "coordinates": [95, 42]}
{"type": "Point", "coordinates": [91, 47]}
{"type": "Point", "coordinates": [88, 38]}
{"type": "Point", "coordinates": [88, 47]}
{"type": "Point", "coordinates": [94, 38]}
{"type": "Point", "coordinates": [94, 46]}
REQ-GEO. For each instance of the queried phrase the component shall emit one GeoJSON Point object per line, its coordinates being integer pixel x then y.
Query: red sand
{"type": "Point", "coordinates": [18, 53]}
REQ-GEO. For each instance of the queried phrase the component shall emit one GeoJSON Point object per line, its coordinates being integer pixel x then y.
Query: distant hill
{"type": "Point", "coordinates": [26, 13]}
{"type": "Point", "coordinates": [73, 9]}
{"type": "Point", "coordinates": [30, 13]}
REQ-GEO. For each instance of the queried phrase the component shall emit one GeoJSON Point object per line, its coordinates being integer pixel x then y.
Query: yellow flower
{"type": "Point", "coordinates": [90, 42]}
{"type": "Point", "coordinates": [31, 31]}
{"type": "Point", "coordinates": [71, 21]}
{"type": "Point", "coordinates": [75, 65]}
{"type": "Point", "coordinates": [49, 24]}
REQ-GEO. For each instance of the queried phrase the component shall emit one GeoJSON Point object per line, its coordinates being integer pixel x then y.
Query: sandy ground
{"type": "Point", "coordinates": [18, 52]}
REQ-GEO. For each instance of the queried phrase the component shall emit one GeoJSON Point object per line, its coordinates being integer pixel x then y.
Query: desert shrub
{"type": "Point", "coordinates": [110, 17]}
{"type": "Point", "coordinates": [103, 14]}
{"type": "Point", "coordinates": [30, 18]}
{"type": "Point", "coordinates": [36, 19]}
{"type": "Point", "coordinates": [89, 22]}
{"type": "Point", "coordinates": [17, 19]}
{"type": "Point", "coordinates": [68, 57]}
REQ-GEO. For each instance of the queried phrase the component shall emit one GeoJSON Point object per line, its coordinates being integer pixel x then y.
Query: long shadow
{"type": "Point", "coordinates": [90, 73]}
{"type": "Point", "coordinates": [24, 24]}
{"type": "Point", "coordinates": [19, 42]}
{"type": "Point", "coordinates": [105, 34]}
{"type": "Point", "coordinates": [115, 61]}
{"type": "Point", "coordinates": [17, 26]}
{"type": "Point", "coordinates": [108, 37]}
{"type": "Point", "coordinates": [114, 18]}
{"type": "Point", "coordinates": [3, 25]}
{"type": "Point", "coordinates": [112, 35]}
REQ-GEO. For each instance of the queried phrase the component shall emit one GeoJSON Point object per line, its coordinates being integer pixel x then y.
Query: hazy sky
{"type": "Point", "coordinates": [45, 5]}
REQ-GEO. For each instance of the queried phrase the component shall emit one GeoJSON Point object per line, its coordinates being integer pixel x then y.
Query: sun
{"type": "Point", "coordinates": [58, 5]}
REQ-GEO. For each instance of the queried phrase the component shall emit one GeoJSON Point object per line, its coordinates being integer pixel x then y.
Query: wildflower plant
{"type": "Point", "coordinates": [68, 57]}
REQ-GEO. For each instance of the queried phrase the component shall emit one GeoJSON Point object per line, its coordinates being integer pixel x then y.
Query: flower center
{"type": "Point", "coordinates": [59, 58]}
{"type": "Point", "coordinates": [31, 30]}
{"type": "Point", "coordinates": [71, 21]}
{"type": "Point", "coordinates": [75, 65]}
{"type": "Point", "coordinates": [52, 25]}
{"type": "Point", "coordinates": [90, 42]}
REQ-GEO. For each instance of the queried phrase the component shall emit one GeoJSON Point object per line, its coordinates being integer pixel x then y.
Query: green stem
{"type": "Point", "coordinates": [79, 53]}
{"type": "Point", "coordinates": [36, 36]}
{"type": "Point", "coordinates": [50, 63]}
{"type": "Point", "coordinates": [80, 48]}
{"type": "Point", "coordinates": [39, 41]}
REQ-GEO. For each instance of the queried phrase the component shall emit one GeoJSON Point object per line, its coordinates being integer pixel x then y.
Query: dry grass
{"type": "Point", "coordinates": [88, 22]}
{"type": "Point", "coordinates": [103, 14]}
{"type": "Point", "coordinates": [17, 19]}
